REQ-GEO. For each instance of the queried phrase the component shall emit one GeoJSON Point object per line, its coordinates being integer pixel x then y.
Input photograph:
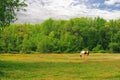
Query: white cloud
{"type": "Point", "coordinates": [39, 10]}
{"type": "Point", "coordinates": [111, 2]}
{"type": "Point", "coordinates": [117, 5]}
{"type": "Point", "coordinates": [106, 14]}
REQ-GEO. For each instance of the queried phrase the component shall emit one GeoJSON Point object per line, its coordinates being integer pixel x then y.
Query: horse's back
{"type": "Point", "coordinates": [82, 52]}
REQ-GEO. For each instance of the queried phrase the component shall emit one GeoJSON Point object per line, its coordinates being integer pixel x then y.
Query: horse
{"type": "Point", "coordinates": [83, 53]}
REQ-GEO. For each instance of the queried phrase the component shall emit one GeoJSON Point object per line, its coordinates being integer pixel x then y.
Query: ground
{"type": "Point", "coordinates": [59, 67]}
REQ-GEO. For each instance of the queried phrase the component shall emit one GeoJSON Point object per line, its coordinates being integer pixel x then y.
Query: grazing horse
{"type": "Point", "coordinates": [83, 53]}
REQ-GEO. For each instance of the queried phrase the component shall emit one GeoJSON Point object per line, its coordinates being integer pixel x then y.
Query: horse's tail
{"type": "Point", "coordinates": [88, 53]}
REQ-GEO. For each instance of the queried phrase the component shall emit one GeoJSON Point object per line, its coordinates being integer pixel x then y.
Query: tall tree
{"type": "Point", "coordinates": [8, 9]}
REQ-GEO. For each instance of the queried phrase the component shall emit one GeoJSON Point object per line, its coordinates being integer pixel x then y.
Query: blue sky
{"type": "Point", "coordinates": [40, 10]}
{"type": "Point", "coordinates": [106, 4]}
{"type": "Point", "coordinates": [101, 4]}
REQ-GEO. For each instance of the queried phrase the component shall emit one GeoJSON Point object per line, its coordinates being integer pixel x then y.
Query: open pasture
{"type": "Point", "coordinates": [59, 67]}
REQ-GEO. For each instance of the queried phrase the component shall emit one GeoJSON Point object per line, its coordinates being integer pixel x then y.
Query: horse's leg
{"type": "Point", "coordinates": [80, 55]}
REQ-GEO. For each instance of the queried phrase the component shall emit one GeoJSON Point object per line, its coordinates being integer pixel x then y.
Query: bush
{"type": "Point", "coordinates": [97, 48]}
{"type": "Point", "coordinates": [114, 47]}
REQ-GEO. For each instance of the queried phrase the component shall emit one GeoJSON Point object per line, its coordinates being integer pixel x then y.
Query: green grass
{"type": "Point", "coordinates": [59, 67]}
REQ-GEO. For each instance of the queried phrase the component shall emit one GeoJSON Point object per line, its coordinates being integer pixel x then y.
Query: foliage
{"type": "Point", "coordinates": [8, 9]}
{"type": "Point", "coordinates": [114, 47]}
{"type": "Point", "coordinates": [62, 36]}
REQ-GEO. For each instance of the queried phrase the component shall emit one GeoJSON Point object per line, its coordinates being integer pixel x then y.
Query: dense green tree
{"type": "Point", "coordinates": [8, 9]}
{"type": "Point", "coordinates": [58, 36]}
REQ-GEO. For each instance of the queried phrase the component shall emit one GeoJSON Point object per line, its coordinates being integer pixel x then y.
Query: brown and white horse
{"type": "Point", "coordinates": [83, 53]}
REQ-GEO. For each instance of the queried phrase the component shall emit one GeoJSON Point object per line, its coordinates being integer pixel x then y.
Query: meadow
{"type": "Point", "coordinates": [59, 67]}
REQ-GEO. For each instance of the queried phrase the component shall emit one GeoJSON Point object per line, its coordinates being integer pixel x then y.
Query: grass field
{"type": "Point", "coordinates": [59, 67]}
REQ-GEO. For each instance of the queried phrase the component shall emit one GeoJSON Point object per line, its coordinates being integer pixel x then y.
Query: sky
{"type": "Point", "coordinates": [40, 10]}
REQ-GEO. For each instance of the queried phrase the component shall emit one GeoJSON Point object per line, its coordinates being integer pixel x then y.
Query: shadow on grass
{"type": "Point", "coordinates": [2, 74]}
{"type": "Point", "coordinates": [14, 70]}
{"type": "Point", "coordinates": [54, 70]}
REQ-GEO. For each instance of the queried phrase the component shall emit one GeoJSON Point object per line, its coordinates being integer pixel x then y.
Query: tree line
{"type": "Point", "coordinates": [62, 36]}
